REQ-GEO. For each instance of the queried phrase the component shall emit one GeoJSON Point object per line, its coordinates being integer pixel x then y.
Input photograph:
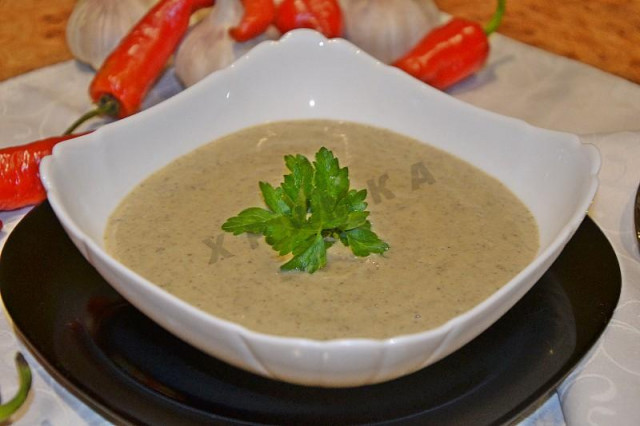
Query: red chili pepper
{"type": "Point", "coordinates": [20, 184]}
{"type": "Point", "coordinates": [452, 52]}
{"type": "Point", "coordinates": [125, 77]}
{"type": "Point", "coordinates": [258, 15]}
{"type": "Point", "coordinates": [320, 15]}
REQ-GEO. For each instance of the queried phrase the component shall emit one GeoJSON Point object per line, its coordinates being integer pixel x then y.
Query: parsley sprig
{"type": "Point", "coordinates": [311, 209]}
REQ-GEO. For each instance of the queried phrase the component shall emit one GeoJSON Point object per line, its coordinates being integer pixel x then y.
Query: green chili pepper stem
{"type": "Point", "coordinates": [24, 375]}
{"type": "Point", "coordinates": [496, 19]}
{"type": "Point", "coordinates": [107, 105]}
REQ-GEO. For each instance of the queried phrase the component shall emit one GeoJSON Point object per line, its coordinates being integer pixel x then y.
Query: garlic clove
{"type": "Point", "coordinates": [95, 27]}
{"type": "Point", "coordinates": [388, 29]}
{"type": "Point", "coordinates": [209, 47]}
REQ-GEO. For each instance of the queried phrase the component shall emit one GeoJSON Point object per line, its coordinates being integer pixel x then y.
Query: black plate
{"type": "Point", "coordinates": [130, 370]}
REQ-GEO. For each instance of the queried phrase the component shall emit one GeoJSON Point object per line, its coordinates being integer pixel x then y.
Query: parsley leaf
{"type": "Point", "coordinates": [329, 178]}
{"type": "Point", "coordinates": [363, 241]}
{"type": "Point", "coordinates": [299, 184]}
{"type": "Point", "coordinates": [309, 257]}
{"type": "Point", "coordinates": [252, 220]}
{"type": "Point", "coordinates": [274, 198]}
{"type": "Point", "coordinates": [311, 209]}
{"type": "Point", "coordinates": [285, 235]}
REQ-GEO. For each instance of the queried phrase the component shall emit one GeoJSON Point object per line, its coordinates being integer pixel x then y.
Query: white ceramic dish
{"type": "Point", "coordinates": [307, 76]}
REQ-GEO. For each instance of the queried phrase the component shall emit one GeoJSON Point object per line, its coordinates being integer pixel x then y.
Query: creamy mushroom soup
{"type": "Point", "coordinates": [456, 234]}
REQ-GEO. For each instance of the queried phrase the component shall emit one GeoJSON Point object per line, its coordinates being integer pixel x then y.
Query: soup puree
{"type": "Point", "coordinates": [456, 234]}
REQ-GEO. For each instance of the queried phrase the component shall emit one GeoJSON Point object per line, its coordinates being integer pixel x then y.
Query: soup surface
{"type": "Point", "coordinates": [456, 234]}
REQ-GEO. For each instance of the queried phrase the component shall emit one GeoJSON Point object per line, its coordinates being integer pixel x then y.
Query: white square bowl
{"type": "Point", "coordinates": [305, 76]}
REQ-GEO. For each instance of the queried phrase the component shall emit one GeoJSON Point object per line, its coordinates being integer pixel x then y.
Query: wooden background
{"type": "Point", "coordinates": [602, 33]}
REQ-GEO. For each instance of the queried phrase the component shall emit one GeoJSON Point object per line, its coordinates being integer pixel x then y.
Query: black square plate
{"type": "Point", "coordinates": [132, 371]}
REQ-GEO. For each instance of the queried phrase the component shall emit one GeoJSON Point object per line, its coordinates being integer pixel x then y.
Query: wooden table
{"type": "Point", "coordinates": [602, 33]}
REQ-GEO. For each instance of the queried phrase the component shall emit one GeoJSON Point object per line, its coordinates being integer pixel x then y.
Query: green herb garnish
{"type": "Point", "coordinates": [9, 408]}
{"type": "Point", "coordinates": [308, 212]}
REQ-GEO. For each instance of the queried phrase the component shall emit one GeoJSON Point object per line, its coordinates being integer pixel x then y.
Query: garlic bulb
{"type": "Point", "coordinates": [387, 29]}
{"type": "Point", "coordinates": [95, 27]}
{"type": "Point", "coordinates": [209, 47]}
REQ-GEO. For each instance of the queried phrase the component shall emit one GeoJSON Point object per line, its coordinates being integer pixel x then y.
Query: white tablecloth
{"type": "Point", "coordinates": [520, 81]}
